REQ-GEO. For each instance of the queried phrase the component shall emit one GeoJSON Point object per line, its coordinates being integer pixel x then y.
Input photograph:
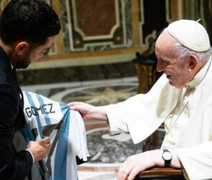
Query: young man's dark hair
{"type": "Point", "coordinates": [29, 20]}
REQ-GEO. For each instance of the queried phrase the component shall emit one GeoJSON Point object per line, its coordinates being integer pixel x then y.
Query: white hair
{"type": "Point", "coordinates": [182, 52]}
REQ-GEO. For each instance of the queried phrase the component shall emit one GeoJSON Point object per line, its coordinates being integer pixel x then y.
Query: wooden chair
{"type": "Point", "coordinates": [161, 173]}
{"type": "Point", "coordinates": [145, 64]}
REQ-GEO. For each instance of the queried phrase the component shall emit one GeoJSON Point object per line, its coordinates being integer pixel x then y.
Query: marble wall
{"type": "Point", "coordinates": [98, 40]}
{"type": "Point", "coordinates": [97, 35]}
{"type": "Point", "coordinates": [76, 74]}
{"type": "Point", "coordinates": [103, 32]}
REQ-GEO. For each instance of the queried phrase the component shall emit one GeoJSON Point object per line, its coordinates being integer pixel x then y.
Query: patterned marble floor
{"type": "Point", "coordinates": [107, 152]}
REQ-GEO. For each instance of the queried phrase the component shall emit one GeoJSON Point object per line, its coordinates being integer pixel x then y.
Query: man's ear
{"type": "Point", "coordinates": [192, 62]}
{"type": "Point", "coordinates": [21, 47]}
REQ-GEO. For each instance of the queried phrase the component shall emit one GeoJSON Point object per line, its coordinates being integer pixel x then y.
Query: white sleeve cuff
{"type": "Point", "coordinates": [31, 155]}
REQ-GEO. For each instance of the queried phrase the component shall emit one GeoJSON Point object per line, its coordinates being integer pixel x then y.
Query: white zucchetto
{"type": "Point", "coordinates": [191, 34]}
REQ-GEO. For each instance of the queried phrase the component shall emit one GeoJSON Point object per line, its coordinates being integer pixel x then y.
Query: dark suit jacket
{"type": "Point", "coordinates": [13, 165]}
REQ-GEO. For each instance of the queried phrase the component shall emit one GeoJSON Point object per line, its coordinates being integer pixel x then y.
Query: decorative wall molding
{"type": "Point", "coordinates": [154, 16]}
{"type": "Point", "coordinates": [97, 25]}
{"type": "Point", "coordinates": [96, 29]}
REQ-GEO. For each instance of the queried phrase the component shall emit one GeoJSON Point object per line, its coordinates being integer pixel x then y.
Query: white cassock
{"type": "Point", "coordinates": [187, 116]}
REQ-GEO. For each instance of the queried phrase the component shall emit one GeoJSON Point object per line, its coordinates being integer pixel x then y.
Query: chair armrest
{"type": "Point", "coordinates": [161, 171]}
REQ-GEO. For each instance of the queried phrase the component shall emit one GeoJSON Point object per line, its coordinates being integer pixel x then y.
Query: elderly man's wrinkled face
{"type": "Point", "coordinates": [176, 71]}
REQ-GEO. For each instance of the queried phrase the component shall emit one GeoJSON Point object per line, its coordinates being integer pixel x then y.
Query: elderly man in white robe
{"type": "Point", "coordinates": [181, 99]}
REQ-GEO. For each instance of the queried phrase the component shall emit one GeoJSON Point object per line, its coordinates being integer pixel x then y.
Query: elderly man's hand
{"type": "Point", "coordinates": [137, 163]}
{"type": "Point", "coordinates": [89, 112]}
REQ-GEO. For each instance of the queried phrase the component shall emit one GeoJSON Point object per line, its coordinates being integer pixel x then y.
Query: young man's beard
{"type": "Point", "coordinates": [22, 65]}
